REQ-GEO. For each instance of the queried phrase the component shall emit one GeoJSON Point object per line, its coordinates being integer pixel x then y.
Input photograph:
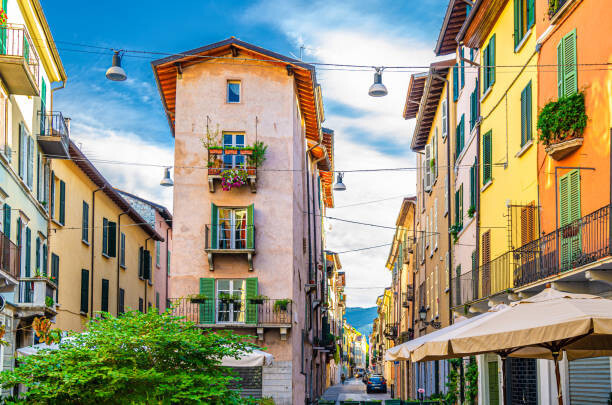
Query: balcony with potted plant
{"type": "Point", "coordinates": [234, 166]}
{"type": "Point", "coordinates": [19, 61]}
{"type": "Point", "coordinates": [561, 125]}
{"type": "Point", "coordinates": [37, 296]}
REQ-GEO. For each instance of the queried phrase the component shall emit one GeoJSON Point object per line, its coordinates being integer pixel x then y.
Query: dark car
{"type": "Point", "coordinates": [365, 378]}
{"type": "Point", "coordinates": [376, 383]}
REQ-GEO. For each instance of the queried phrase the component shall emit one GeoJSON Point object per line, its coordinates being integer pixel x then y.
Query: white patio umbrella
{"type": "Point", "coordinates": [256, 358]}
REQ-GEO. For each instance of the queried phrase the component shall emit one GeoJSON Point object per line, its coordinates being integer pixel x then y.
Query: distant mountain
{"type": "Point", "coordinates": [361, 319]}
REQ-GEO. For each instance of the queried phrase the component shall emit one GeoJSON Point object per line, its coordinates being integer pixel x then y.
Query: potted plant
{"type": "Point", "coordinates": [258, 157]}
{"type": "Point", "coordinates": [230, 150]}
{"type": "Point", "coordinates": [49, 302]}
{"type": "Point", "coordinates": [232, 178]}
{"type": "Point", "coordinates": [215, 150]}
{"type": "Point", "coordinates": [454, 231]}
{"type": "Point", "coordinates": [228, 298]}
{"type": "Point", "coordinates": [212, 141]}
{"type": "Point", "coordinates": [258, 299]}
{"type": "Point", "coordinates": [471, 211]}
{"type": "Point", "coordinates": [198, 298]}
{"type": "Point", "coordinates": [281, 305]}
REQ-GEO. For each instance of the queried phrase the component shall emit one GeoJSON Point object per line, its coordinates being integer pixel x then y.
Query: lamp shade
{"type": "Point", "coordinates": [167, 180]}
{"type": "Point", "coordinates": [116, 72]}
{"type": "Point", "coordinates": [378, 89]}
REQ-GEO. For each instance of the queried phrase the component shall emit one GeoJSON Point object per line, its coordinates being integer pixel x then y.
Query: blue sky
{"type": "Point", "coordinates": [125, 121]}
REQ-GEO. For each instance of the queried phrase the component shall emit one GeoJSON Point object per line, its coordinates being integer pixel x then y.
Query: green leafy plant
{"type": "Point", "coordinates": [454, 231]}
{"type": "Point", "coordinates": [225, 297]}
{"type": "Point", "coordinates": [213, 139]}
{"type": "Point", "coordinates": [198, 298]}
{"type": "Point", "coordinates": [49, 302]}
{"type": "Point", "coordinates": [281, 305]}
{"type": "Point", "coordinates": [432, 163]}
{"type": "Point", "coordinates": [259, 154]}
{"type": "Point", "coordinates": [232, 178]}
{"type": "Point", "coordinates": [562, 119]}
{"type": "Point", "coordinates": [471, 211]}
{"type": "Point", "coordinates": [258, 299]}
{"type": "Point", "coordinates": [134, 359]}
{"type": "Point", "coordinates": [452, 381]}
{"type": "Point", "coordinates": [471, 377]}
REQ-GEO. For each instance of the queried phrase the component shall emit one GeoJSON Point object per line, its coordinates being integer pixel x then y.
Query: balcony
{"type": "Point", "coordinates": [53, 136]}
{"type": "Point", "coordinates": [236, 313]}
{"type": "Point", "coordinates": [19, 62]}
{"type": "Point", "coordinates": [233, 240]}
{"type": "Point", "coordinates": [578, 252]}
{"type": "Point", "coordinates": [222, 161]}
{"type": "Point", "coordinates": [555, 6]}
{"type": "Point", "coordinates": [391, 331]}
{"type": "Point", "coordinates": [36, 297]}
{"type": "Point", "coordinates": [10, 263]}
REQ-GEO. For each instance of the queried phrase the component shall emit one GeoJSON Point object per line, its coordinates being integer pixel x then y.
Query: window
{"type": "Point", "coordinates": [104, 304]}
{"type": "Point", "coordinates": [460, 135]}
{"type": "Point", "coordinates": [62, 202]}
{"type": "Point", "coordinates": [488, 60]}
{"type": "Point", "coordinates": [55, 267]}
{"type": "Point", "coordinates": [168, 263]}
{"type": "Point", "coordinates": [37, 263]}
{"type": "Point", "coordinates": [473, 185]}
{"type": "Point", "coordinates": [569, 211]}
{"type": "Point", "coordinates": [462, 67]}
{"type": "Point", "coordinates": [144, 264]}
{"type": "Point", "coordinates": [84, 291]}
{"type": "Point", "coordinates": [121, 301]}
{"type": "Point", "coordinates": [524, 18]}
{"type": "Point", "coordinates": [455, 82]}
{"type": "Point", "coordinates": [526, 115]}
{"type": "Point", "coordinates": [444, 119]}
{"type": "Point", "coordinates": [427, 163]}
{"type": "Point", "coordinates": [233, 91]}
{"type": "Point", "coordinates": [567, 77]}
{"type": "Point", "coordinates": [230, 311]}
{"type": "Point", "coordinates": [85, 223]}
{"type": "Point", "coordinates": [233, 141]}
{"type": "Point", "coordinates": [122, 252]}
{"type": "Point", "coordinates": [6, 223]}
{"type": "Point", "coordinates": [26, 156]}
{"type": "Point", "coordinates": [109, 238]}
{"type": "Point", "coordinates": [52, 199]}
{"type": "Point", "coordinates": [28, 243]}
{"type": "Point", "coordinates": [140, 304]}
{"type": "Point", "coordinates": [474, 107]}
{"type": "Point", "coordinates": [459, 207]}
{"type": "Point", "coordinates": [157, 253]}
{"type": "Point", "coordinates": [157, 301]}
{"type": "Point", "coordinates": [487, 164]}
{"type": "Point", "coordinates": [232, 228]}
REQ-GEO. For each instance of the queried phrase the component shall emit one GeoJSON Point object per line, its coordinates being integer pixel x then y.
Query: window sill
{"type": "Point", "coordinates": [486, 186]}
{"type": "Point", "coordinates": [85, 242]}
{"type": "Point", "coordinates": [57, 222]}
{"type": "Point", "coordinates": [123, 266]}
{"type": "Point", "coordinates": [560, 12]}
{"type": "Point", "coordinates": [85, 314]}
{"type": "Point", "coordinates": [524, 149]}
{"type": "Point", "coordinates": [486, 93]}
{"type": "Point", "coordinates": [105, 256]}
{"type": "Point", "coordinates": [520, 45]}
{"type": "Point", "coordinates": [447, 290]}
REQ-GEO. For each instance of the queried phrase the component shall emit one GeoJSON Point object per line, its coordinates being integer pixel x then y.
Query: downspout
{"type": "Point", "coordinates": [167, 264]}
{"type": "Point", "coordinates": [93, 246]}
{"type": "Point", "coordinates": [145, 307]}
{"type": "Point", "coordinates": [119, 253]}
{"type": "Point", "coordinates": [448, 192]}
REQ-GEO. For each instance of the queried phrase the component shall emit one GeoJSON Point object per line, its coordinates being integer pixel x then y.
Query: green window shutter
{"type": "Point", "coordinates": [564, 200]}
{"type": "Point", "coordinates": [574, 186]}
{"type": "Point", "coordinates": [104, 304]}
{"type": "Point", "coordinates": [37, 251]}
{"type": "Point", "coordinates": [121, 301]}
{"type": "Point", "coordinates": [84, 290]}
{"type": "Point", "coordinates": [112, 239]}
{"type": "Point", "coordinates": [251, 309]}
{"type": "Point", "coordinates": [492, 60]}
{"type": "Point", "coordinates": [530, 13]}
{"type": "Point", "coordinates": [570, 76]}
{"type": "Point", "coordinates": [105, 236]}
{"type": "Point", "coordinates": [485, 71]}
{"type": "Point", "coordinates": [52, 199]}
{"type": "Point", "coordinates": [518, 16]}
{"type": "Point", "coordinates": [45, 260]}
{"type": "Point", "coordinates": [455, 82]}
{"type": "Point", "coordinates": [54, 268]}
{"type": "Point", "coordinates": [157, 301]}
{"type": "Point", "coordinates": [472, 191]}
{"type": "Point", "coordinates": [462, 125]}
{"type": "Point", "coordinates": [462, 68]}
{"type": "Point", "coordinates": [122, 252]}
{"type": "Point", "coordinates": [6, 223]}
{"type": "Point", "coordinates": [28, 242]}
{"type": "Point", "coordinates": [146, 273]}
{"type": "Point", "coordinates": [85, 223]}
{"type": "Point", "coordinates": [560, 66]}
{"type": "Point", "coordinates": [62, 206]}
{"type": "Point", "coordinates": [214, 224]}
{"type": "Point", "coordinates": [457, 207]}
{"type": "Point", "coordinates": [207, 309]}
{"type": "Point", "coordinates": [168, 262]}
{"type": "Point", "coordinates": [251, 226]}
{"type": "Point", "coordinates": [528, 112]}
{"type": "Point", "coordinates": [140, 262]}
{"type": "Point", "coordinates": [493, 383]}
{"type": "Point", "coordinates": [486, 158]}
{"type": "Point", "coordinates": [523, 116]}
{"type": "Point", "coordinates": [461, 206]}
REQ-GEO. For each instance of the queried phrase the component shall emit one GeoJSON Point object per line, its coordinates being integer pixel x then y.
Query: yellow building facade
{"type": "Point", "coordinates": [507, 55]}
{"type": "Point", "coordinates": [100, 248]}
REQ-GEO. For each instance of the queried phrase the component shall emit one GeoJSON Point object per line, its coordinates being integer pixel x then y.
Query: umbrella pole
{"type": "Point", "coordinates": [555, 356]}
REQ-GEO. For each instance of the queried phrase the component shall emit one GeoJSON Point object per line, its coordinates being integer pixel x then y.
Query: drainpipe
{"type": "Point", "coordinates": [167, 262]}
{"type": "Point", "coordinates": [93, 246]}
{"type": "Point", "coordinates": [119, 252]}
{"type": "Point", "coordinates": [54, 90]}
{"type": "Point", "coordinates": [145, 307]}
{"type": "Point", "coordinates": [448, 191]}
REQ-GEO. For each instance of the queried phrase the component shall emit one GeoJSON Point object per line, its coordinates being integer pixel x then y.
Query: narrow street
{"type": "Point", "coordinates": [353, 389]}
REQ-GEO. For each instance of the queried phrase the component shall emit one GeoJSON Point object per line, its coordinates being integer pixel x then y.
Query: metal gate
{"type": "Point", "coordinates": [249, 380]}
{"type": "Point", "coordinates": [589, 381]}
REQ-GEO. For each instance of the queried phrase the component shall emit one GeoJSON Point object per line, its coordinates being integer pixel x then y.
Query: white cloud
{"type": "Point", "coordinates": [370, 132]}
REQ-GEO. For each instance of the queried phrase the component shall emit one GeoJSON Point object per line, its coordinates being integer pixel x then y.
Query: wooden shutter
{"type": "Point", "coordinates": [6, 223]}
{"type": "Point", "coordinates": [52, 199]}
{"type": "Point", "coordinates": [462, 67]}
{"type": "Point", "coordinates": [462, 132]}
{"type": "Point", "coordinates": [518, 26]}
{"type": "Point", "coordinates": [207, 309]}
{"type": "Point", "coordinates": [457, 207]}
{"type": "Point", "coordinates": [140, 262]}
{"type": "Point", "coordinates": [530, 13]}
{"type": "Point", "coordinates": [491, 62]}
{"type": "Point", "coordinates": [84, 290]}
{"type": "Point", "coordinates": [444, 119]}
{"type": "Point", "coordinates": [486, 158]}
{"type": "Point", "coordinates": [146, 273]}
{"type": "Point", "coordinates": [461, 206]}
{"type": "Point", "coordinates": [104, 304]}
{"type": "Point", "coordinates": [105, 236]}
{"type": "Point", "coordinates": [435, 155]}
{"type": "Point", "coordinates": [30, 142]}
{"type": "Point", "coordinates": [214, 224]}
{"type": "Point", "coordinates": [251, 309]}
{"type": "Point", "coordinates": [493, 383]}
{"type": "Point", "coordinates": [574, 207]}
{"type": "Point", "coordinates": [427, 167]}
{"type": "Point", "coordinates": [560, 67]}
{"type": "Point", "coordinates": [251, 226]}
{"type": "Point", "coordinates": [528, 113]}
{"type": "Point", "coordinates": [62, 206]}
{"type": "Point", "coordinates": [112, 239]}
{"type": "Point", "coordinates": [45, 260]}
{"type": "Point", "coordinates": [122, 251]}
{"type": "Point", "coordinates": [486, 247]}
{"type": "Point", "coordinates": [473, 186]}
{"type": "Point", "coordinates": [85, 223]}
{"type": "Point", "coordinates": [485, 71]}
{"type": "Point", "coordinates": [54, 268]}
{"type": "Point", "coordinates": [21, 151]}
{"type": "Point", "coordinates": [570, 77]}
{"type": "Point", "coordinates": [564, 197]}
{"type": "Point", "coordinates": [28, 243]}
{"type": "Point", "coordinates": [37, 263]}
{"type": "Point", "coordinates": [455, 82]}
{"type": "Point", "coordinates": [121, 301]}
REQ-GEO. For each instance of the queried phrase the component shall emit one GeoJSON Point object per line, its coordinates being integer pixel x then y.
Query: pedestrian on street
{"type": "Point", "coordinates": [342, 377]}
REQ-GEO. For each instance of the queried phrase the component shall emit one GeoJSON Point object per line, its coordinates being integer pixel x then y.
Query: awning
{"type": "Point", "coordinates": [256, 358]}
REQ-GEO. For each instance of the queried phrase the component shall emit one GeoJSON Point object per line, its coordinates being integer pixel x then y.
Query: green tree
{"type": "Point", "coordinates": [135, 358]}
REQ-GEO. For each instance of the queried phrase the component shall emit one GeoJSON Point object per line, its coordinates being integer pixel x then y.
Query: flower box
{"type": "Point", "coordinates": [214, 171]}
{"type": "Point", "coordinates": [258, 301]}
{"type": "Point", "coordinates": [231, 152]}
{"type": "Point", "coordinates": [561, 149]}
{"type": "Point", "coordinates": [215, 151]}
{"type": "Point", "coordinates": [198, 300]}
{"type": "Point", "coordinates": [251, 170]}
{"type": "Point", "coordinates": [246, 152]}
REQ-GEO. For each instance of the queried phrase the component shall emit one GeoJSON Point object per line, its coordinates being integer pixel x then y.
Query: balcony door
{"type": "Point", "coordinates": [569, 215]}
{"type": "Point", "coordinates": [233, 161]}
{"type": "Point", "coordinates": [231, 311]}
{"type": "Point", "coordinates": [232, 228]}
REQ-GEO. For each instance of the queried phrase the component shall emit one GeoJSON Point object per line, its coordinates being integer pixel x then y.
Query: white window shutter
{"type": "Point", "coordinates": [444, 120]}
{"type": "Point", "coordinates": [435, 156]}
{"type": "Point", "coordinates": [30, 161]}
{"type": "Point", "coordinates": [446, 195]}
{"type": "Point", "coordinates": [427, 167]}
{"type": "Point", "coordinates": [436, 236]}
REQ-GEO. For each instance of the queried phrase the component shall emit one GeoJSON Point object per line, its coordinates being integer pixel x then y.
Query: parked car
{"type": "Point", "coordinates": [376, 383]}
{"type": "Point", "coordinates": [366, 375]}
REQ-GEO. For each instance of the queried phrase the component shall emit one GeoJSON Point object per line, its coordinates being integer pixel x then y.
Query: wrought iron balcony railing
{"type": "Point", "coordinates": [54, 135]}
{"type": "Point", "coordinates": [234, 312]}
{"type": "Point", "coordinates": [19, 62]}
{"type": "Point", "coordinates": [230, 238]}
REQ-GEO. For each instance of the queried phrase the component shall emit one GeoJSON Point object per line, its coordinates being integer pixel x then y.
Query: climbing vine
{"type": "Point", "coordinates": [471, 377]}
{"type": "Point", "coordinates": [452, 382]}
